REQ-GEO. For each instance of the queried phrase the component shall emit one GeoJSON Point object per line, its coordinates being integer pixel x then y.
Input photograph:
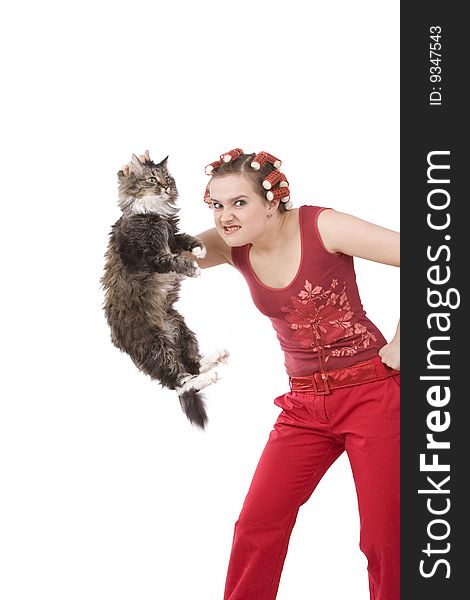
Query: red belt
{"type": "Point", "coordinates": [323, 382]}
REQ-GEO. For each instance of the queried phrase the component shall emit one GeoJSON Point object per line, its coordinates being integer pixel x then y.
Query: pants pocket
{"type": "Point", "coordinates": [289, 400]}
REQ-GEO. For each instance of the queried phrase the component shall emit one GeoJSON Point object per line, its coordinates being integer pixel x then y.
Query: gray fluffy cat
{"type": "Point", "coordinates": [141, 279]}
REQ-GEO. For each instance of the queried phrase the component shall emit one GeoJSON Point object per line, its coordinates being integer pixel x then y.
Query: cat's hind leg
{"type": "Point", "coordinates": [163, 363]}
{"type": "Point", "coordinates": [190, 355]}
{"type": "Point", "coordinates": [186, 342]}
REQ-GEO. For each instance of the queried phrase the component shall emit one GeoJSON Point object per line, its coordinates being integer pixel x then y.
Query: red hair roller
{"type": "Point", "coordinates": [262, 157]}
{"type": "Point", "coordinates": [278, 193]}
{"type": "Point", "coordinates": [231, 155]}
{"type": "Point", "coordinates": [207, 196]}
{"type": "Point", "coordinates": [209, 168]}
{"type": "Point", "coordinates": [271, 179]}
{"type": "Point", "coordinates": [274, 161]}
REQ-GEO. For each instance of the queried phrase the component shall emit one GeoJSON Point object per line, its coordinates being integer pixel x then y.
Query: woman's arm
{"type": "Point", "coordinates": [218, 252]}
{"type": "Point", "coordinates": [344, 233]}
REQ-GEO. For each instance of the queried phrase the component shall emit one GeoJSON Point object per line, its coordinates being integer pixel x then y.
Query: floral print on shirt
{"type": "Point", "coordinates": [322, 316]}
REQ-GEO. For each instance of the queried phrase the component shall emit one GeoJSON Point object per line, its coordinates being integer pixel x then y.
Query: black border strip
{"type": "Point", "coordinates": [432, 132]}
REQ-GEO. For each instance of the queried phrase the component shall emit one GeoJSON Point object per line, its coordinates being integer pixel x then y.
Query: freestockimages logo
{"type": "Point", "coordinates": [435, 462]}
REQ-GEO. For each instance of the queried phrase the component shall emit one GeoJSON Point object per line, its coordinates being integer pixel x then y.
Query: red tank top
{"type": "Point", "coordinates": [318, 317]}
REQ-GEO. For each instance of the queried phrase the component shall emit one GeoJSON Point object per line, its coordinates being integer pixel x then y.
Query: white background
{"type": "Point", "coordinates": [107, 490]}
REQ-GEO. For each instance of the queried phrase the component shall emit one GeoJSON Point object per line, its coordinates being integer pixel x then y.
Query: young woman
{"type": "Point", "coordinates": [343, 376]}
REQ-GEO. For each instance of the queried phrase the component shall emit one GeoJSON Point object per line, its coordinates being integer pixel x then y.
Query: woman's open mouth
{"type": "Point", "coordinates": [231, 229]}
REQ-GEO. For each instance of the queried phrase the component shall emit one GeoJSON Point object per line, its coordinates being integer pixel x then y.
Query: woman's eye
{"type": "Point", "coordinates": [242, 202]}
{"type": "Point", "coordinates": [216, 205]}
{"type": "Point", "coordinates": [152, 179]}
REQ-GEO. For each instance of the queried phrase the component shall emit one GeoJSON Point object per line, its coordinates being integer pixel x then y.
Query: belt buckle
{"type": "Point", "coordinates": [326, 389]}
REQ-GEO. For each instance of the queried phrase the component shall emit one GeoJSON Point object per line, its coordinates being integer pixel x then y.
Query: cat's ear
{"type": "Point", "coordinates": [137, 164]}
{"type": "Point", "coordinates": [163, 163]}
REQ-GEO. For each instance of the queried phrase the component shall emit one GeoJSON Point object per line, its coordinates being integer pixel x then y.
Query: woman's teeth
{"type": "Point", "coordinates": [231, 229]}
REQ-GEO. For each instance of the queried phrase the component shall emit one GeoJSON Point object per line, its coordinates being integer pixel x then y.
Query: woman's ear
{"type": "Point", "coordinates": [273, 205]}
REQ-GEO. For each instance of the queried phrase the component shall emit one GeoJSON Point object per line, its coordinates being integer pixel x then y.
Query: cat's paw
{"type": "Point", "coordinates": [197, 270]}
{"type": "Point", "coordinates": [190, 268]}
{"type": "Point", "coordinates": [210, 377]}
{"type": "Point", "coordinates": [222, 355]}
{"type": "Point", "coordinates": [197, 382]}
{"type": "Point", "coordinates": [211, 361]}
{"type": "Point", "coordinates": [199, 251]}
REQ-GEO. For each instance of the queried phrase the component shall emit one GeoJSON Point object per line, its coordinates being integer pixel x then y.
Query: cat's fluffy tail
{"type": "Point", "coordinates": [194, 407]}
{"type": "Point", "coordinates": [191, 399]}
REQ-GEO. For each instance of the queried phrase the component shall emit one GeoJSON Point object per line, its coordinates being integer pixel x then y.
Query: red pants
{"type": "Point", "coordinates": [309, 434]}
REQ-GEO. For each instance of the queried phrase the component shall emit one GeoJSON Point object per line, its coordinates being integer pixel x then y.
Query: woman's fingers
{"type": "Point", "coordinates": [145, 156]}
{"type": "Point", "coordinates": [390, 355]}
{"type": "Point", "coordinates": [126, 169]}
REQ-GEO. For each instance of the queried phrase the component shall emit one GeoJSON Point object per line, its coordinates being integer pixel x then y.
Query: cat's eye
{"type": "Point", "coordinates": [152, 179]}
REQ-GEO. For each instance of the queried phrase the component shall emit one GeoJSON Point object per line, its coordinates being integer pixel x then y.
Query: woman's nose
{"type": "Point", "coordinates": [226, 215]}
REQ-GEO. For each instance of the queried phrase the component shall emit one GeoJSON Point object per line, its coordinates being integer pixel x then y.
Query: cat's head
{"type": "Point", "coordinates": [148, 187]}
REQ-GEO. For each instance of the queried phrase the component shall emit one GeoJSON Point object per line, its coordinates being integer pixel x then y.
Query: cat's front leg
{"type": "Point", "coordinates": [170, 262]}
{"type": "Point", "coordinates": [189, 243]}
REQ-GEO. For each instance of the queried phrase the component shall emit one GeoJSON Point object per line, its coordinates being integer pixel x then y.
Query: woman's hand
{"type": "Point", "coordinates": [390, 354]}
{"type": "Point", "coordinates": [126, 169]}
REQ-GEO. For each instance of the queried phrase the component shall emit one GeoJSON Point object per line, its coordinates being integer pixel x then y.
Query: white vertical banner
{"type": "Point", "coordinates": [107, 490]}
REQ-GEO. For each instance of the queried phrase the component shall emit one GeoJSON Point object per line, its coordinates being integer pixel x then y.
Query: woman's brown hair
{"type": "Point", "coordinates": [242, 164]}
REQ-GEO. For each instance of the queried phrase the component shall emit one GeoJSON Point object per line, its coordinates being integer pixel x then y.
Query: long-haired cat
{"type": "Point", "coordinates": [141, 279]}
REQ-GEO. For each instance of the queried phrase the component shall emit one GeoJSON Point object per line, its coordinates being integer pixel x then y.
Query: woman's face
{"type": "Point", "coordinates": [239, 211]}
